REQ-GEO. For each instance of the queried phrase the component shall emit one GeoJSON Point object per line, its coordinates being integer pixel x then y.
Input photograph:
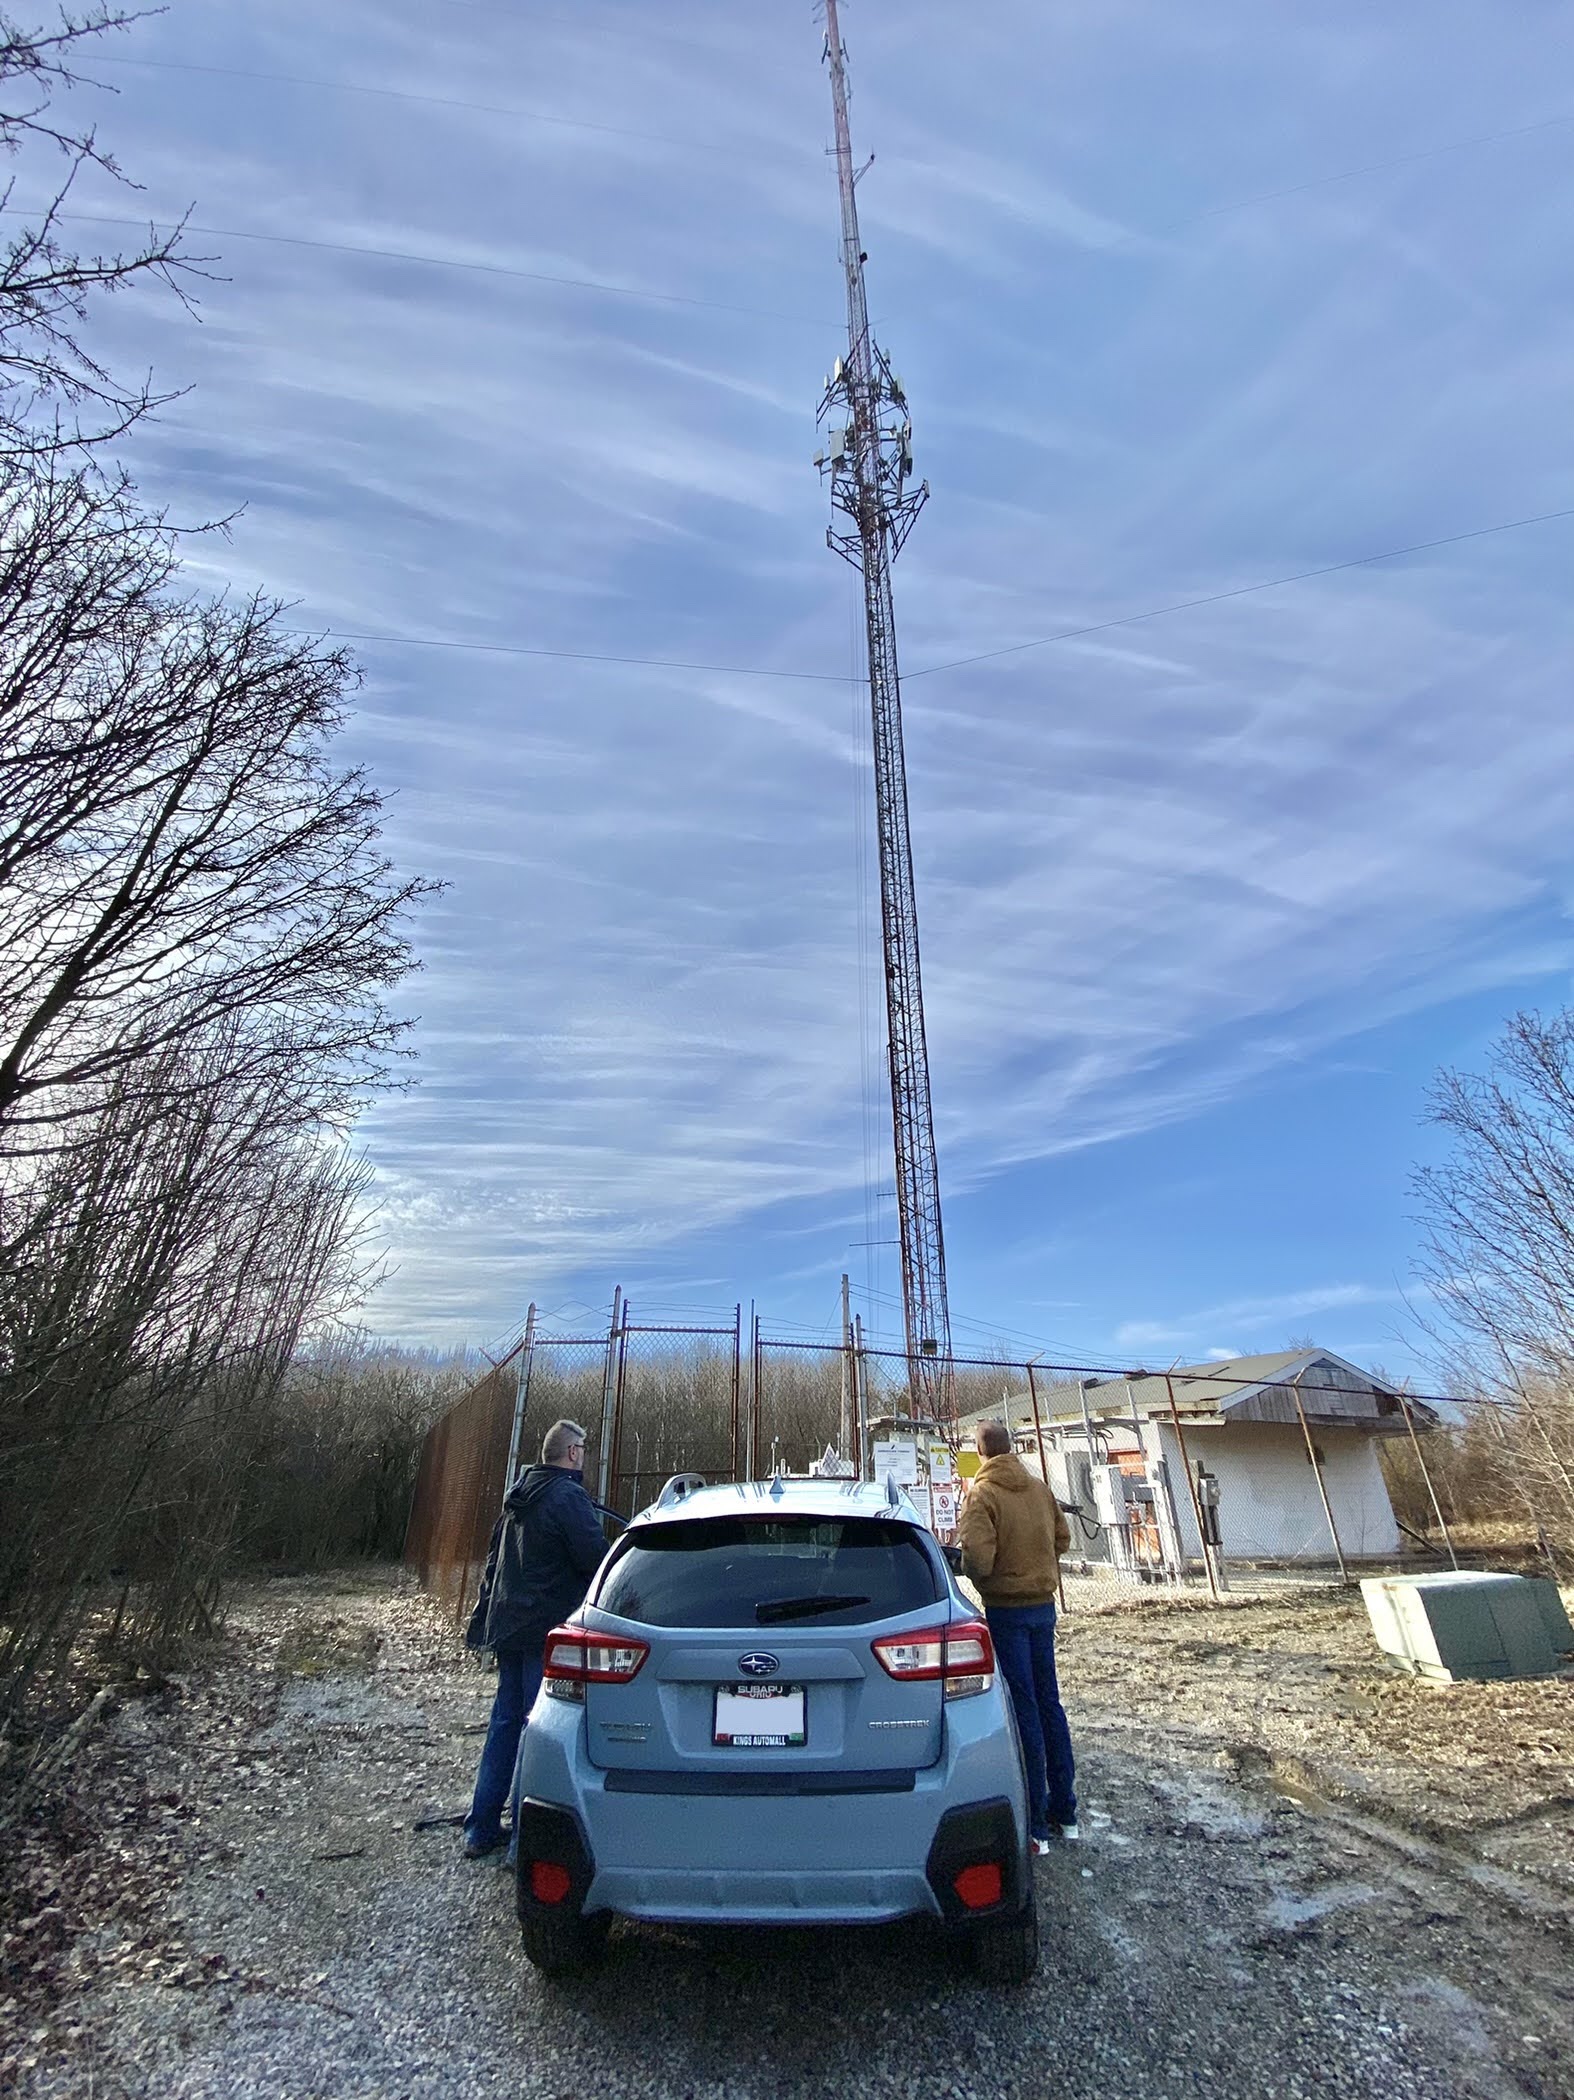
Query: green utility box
{"type": "Point", "coordinates": [1446, 1627]}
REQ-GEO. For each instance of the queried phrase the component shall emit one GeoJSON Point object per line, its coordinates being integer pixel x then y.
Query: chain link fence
{"type": "Point", "coordinates": [1239, 1478]}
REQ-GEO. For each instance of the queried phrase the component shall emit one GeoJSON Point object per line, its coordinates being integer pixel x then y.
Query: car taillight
{"type": "Point", "coordinates": [961, 1656]}
{"type": "Point", "coordinates": [977, 1887]}
{"type": "Point", "coordinates": [574, 1658]}
{"type": "Point", "coordinates": [550, 1882]}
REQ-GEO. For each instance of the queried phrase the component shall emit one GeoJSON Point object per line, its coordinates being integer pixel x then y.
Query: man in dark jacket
{"type": "Point", "coordinates": [545, 1547]}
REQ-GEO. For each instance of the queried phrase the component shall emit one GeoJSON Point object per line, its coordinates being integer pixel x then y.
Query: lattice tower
{"type": "Point", "coordinates": [868, 460]}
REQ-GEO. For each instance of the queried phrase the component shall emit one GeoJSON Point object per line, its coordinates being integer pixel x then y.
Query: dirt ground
{"type": "Point", "coordinates": [1297, 1687]}
{"type": "Point", "coordinates": [1302, 1876]}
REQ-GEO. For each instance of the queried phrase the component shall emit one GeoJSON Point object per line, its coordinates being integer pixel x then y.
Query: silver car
{"type": "Point", "coordinates": [775, 1707]}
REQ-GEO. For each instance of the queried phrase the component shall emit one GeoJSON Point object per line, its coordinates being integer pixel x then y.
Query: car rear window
{"type": "Point", "coordinates": [776, 1571]}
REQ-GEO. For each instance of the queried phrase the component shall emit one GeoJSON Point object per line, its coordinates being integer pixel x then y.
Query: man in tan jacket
{"type": "Point", "coordinates": [1012, 1533]}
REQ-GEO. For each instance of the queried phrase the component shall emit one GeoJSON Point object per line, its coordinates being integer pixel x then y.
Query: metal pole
{"type": "Point", "coordinates": [845, 1420]}
{"type": "Point", "coordinates": [609, 1397]}
{"type": "Point", "coordinates": [617, 1411]}
{"type": "Point", "coordinates": [1213, 1539]}
{"type": "Point", "coordinates": [1311, 1452]}
{"type": "Point", "coordinates": [1191, 1489]}
{"type": "Point", "coordinates": [1442, 1521]}
{"type": "Point", "coordinates": [521, 1395]}
{"type": "Point", "coordinates": [1043, 1462]}
{"type": "Point", "coordinates": [861, 1373]}
{"type": "Point", "coordinates": [752, 1447]}
{"type": "Point", "coordinates": [737, 1380]}
{"type": "Point", "coordinates": [1087, 1426]}
{"type": "Point", "coordinates": [1038, 1427]}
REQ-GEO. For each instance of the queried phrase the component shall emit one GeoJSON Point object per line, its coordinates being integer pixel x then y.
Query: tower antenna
{"type": "Point", "coordinates": [868, 458]}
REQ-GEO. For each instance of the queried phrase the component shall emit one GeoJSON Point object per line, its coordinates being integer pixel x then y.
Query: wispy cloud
{"type": "Point", "coordinates": [1157, 867]}
{"type": "Point", "coordinates": [1255, 1318]}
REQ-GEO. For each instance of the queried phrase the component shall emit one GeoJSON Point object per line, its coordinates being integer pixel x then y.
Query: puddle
{"type": "Point", "coordinates": [1287, 1910]}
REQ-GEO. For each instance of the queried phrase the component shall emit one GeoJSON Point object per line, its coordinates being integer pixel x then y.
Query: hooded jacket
{"type": "Point", "coordinates": [1012, 1533]}
{"type": "Point", "coordinates": [545, 1547]}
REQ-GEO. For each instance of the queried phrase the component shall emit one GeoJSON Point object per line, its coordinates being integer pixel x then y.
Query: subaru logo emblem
{"type": "Point", "coordinates": [758, 1665]}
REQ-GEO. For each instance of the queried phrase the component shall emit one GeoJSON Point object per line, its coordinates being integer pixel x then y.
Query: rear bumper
{"type": "Point", "coordinates": [817, 1858]}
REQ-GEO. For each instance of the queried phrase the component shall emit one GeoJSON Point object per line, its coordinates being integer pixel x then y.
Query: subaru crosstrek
{"type": "Point", "coordinates": [775, 1707]}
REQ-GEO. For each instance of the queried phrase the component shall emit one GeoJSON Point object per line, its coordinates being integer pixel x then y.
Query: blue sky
{"type": "Point", "coordinates": [1185, 299]}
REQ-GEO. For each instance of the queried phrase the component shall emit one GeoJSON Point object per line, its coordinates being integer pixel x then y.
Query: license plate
{"type": "Point", "coordinates": [759, 1717]}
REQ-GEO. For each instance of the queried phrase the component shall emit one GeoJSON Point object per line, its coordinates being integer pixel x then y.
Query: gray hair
{"type": "Point", "coordinates": [994, 1439]}
{"type": "Point", "coordinates": [559, 1440]}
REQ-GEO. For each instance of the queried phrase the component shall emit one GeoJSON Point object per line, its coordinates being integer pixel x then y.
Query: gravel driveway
{"type": "Point", "coordinates": [262, 1919]}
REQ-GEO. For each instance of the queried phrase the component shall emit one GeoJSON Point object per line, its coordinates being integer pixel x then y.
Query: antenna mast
{"type": "Point", "coordinates": [869, 458]}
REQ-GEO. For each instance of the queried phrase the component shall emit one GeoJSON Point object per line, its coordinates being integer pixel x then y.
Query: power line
{"type": "Point", "coordinates": [1378, 167]}
{"type": "Point", "coordinates": [1244, 590]}
{"type": "Point", "coordinates": [1155, 612]}
{"type": "Point", "coordinates": [443, 262]}
{"type": "Point", "coordinates": [578, 656]}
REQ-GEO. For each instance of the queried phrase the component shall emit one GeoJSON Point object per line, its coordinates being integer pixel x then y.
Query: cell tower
{"type": "Point", "coordinates": [869, 460]}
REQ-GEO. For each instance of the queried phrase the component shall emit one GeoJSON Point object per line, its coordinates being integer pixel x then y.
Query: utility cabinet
{"type": "Point", "coordinates": [1448, 1627]}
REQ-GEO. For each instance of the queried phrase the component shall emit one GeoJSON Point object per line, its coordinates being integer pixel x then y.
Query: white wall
{"type": "Point", "coordinates": [1269, 1508]}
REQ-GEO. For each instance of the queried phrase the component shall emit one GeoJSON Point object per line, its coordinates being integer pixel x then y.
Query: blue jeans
{"type": "Point", "coordinates": [518, 1681]}
{"type": "Point", "coordinates": [1024, 1638]}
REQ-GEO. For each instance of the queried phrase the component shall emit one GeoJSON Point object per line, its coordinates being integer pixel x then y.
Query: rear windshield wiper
{"type": "Point", "coordinates": [801, 1608]}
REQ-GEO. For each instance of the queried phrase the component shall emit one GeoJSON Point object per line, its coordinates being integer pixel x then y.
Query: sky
{"type": "Point", "coordinates": [509, 363]}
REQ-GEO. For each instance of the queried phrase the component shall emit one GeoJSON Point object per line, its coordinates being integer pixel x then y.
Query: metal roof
{"type": "Point", "coordinates": [1239, 1388]}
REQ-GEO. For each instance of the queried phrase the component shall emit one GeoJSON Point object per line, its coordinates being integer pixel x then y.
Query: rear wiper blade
{"type": "Point", "coordinates": [801, 1608]}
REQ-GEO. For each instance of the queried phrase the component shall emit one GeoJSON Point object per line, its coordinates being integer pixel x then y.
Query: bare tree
{"type": "Point", "coordinates": [176, 847]}
{"type": "Point", "coordinates": [1498, 1260]}
{"type": "Point", "coordinates": [157, 1282]}
{"type": "Point", "coordinates": [46, 285]}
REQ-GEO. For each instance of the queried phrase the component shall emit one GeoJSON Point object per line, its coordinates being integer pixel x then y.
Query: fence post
{"type": "Point", "coordinates": [1317, 1468]}
{"type": "Point", "coordinates": [1038, 1427]}
{"type": "Point", "coordinates": [737, 1380]}
{"type": "Point", "coordinates": [1043, 1455]}
{"type": "Point", "coordinates": [1191, 1489]}
{"type": "Point", "coordinates": [617, 1404]}
{"type": "Point", "coordinates": [1437, 1507]}
{"type": "Point", "coordinates": [861, 1373]}
{"type": "Point", "coordinates": [845, 1421]}
{"type": "Point", "coordinates": [609, 1397]}
{"type": "Point", "coordinates": [521, 1395]}
{"type": "Point", "coordinates": [751, 1439]}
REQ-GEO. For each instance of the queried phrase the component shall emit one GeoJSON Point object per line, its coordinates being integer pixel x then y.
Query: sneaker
{"type": "Point", "coordinates": [1041, 1848]}
{"type": "Point", "coordinates": [1070, 1834]}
